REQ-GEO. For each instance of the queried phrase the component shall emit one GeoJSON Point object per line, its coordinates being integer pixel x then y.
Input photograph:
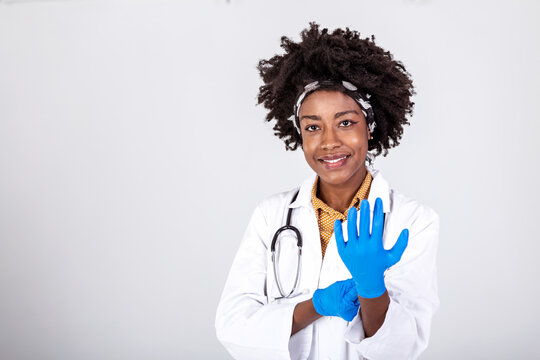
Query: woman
{"type": "Point", "coordinates": [366, 285]}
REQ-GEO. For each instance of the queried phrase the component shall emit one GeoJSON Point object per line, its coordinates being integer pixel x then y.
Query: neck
{"type": "Point", "coordinates": [339, 196]}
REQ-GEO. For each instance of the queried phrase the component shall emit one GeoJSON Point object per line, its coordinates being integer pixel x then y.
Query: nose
{"type": "Point", "coordinates": [330, 139]}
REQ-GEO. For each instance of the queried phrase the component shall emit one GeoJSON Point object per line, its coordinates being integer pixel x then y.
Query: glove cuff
{"type": "Point", "coordinates": [371, 289]}
{"type": "Point", "coordinates": [317, 303]}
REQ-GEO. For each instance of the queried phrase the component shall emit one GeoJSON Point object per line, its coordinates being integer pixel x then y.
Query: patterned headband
{"type": "Point", "coordinates": [364, 104]}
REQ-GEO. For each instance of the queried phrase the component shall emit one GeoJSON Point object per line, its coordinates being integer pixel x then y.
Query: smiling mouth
{"type": "Point", "coordinates": [335, 160]}
{"type": "Point", "coordinates": [335, 163]}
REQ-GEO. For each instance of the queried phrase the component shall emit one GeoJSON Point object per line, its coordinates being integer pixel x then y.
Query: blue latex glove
{"type": "Point", "coordinates": [339, 299]}
{"type": "Point", "coordinates": [363, 253]}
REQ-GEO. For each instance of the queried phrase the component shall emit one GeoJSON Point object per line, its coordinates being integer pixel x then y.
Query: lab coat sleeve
{"type": "Point", "coordinates": [412, 287]}
{"type": "Point", "coordinates": [246, 324]}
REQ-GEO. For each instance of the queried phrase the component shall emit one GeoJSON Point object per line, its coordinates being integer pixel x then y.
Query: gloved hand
{"type": "Point", "coordinates": [339, 299]}
{"type": "Point", "coordinates": [363, 253]}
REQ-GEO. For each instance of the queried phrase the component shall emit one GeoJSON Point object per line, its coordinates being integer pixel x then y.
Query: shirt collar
{"type": "Point", "coordinates": [379, 188]}
{"type": "Point", "coordinates": [355, 201]}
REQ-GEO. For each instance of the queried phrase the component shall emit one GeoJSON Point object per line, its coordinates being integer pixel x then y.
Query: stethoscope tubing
{"type": "Point", "coordinates": [299, 244]}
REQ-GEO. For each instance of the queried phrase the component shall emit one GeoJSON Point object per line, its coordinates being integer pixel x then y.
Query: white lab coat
{"type": "Point", "coordinates": [252, 326]}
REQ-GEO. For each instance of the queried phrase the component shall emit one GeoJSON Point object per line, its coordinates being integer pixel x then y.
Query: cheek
{"type": "Point", "coordinates": [309, 151]}
{"type": "Point", "coordinates": [357, 141]}
{"type": "Point", "coordinates": [307, 145]}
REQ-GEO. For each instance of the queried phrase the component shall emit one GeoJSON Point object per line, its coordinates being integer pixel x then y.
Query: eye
{"type": "Point", "coordinates": [310, 126]}
{"type": "Point", "coordinates": [347, 123]}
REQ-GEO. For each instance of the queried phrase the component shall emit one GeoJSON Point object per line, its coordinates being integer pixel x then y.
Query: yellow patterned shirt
{"type": "Point", "coordinates": [326, 216]}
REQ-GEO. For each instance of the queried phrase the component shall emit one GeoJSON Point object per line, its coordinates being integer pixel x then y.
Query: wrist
{"type": "Point", "coordinates": [370, 288]}
{"type": "Point", "coordinates": [316, 300]}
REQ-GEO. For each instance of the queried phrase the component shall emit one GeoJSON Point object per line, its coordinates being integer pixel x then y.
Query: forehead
{"type": "Point", "coordinates": [321, 101]}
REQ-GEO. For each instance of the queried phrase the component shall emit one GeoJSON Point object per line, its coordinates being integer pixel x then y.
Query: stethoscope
{"type": "Point", "coordinates": [299, 243]}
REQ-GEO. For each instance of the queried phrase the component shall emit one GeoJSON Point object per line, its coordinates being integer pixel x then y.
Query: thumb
{"type": "Point", "coordinates": [395, 253]}
{"type": "Point", "coordinates": [351, 294]}
{"type": "Point", "coordinates": [338, 234]}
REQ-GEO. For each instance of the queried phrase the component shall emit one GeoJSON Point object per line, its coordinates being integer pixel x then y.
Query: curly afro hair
{"type": "Point", "coordinates": [340, 55]}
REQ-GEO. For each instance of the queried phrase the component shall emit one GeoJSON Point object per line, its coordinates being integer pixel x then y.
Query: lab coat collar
{"type": "Point", "coordinates": [379, 188]}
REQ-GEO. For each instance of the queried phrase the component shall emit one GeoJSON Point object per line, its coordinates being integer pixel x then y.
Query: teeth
{"type": "Point", "coordinates": [335, 160]}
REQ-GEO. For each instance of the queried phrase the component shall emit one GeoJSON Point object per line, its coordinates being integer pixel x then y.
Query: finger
{"type": "Point", "coordinates": [378, 221]}
{"type": "Point", "coordinates": [365, 218]}
{"type": "Point", "coordinates": [348, 283]}
{"type": "Point", "coordinates": [351, 295]}
{"type": "Point", "coordinates": [395, 253]}
{"type": "Point", "coordinates": [351, 224]}
{"type": "Point", "coordinates": [338, 234]}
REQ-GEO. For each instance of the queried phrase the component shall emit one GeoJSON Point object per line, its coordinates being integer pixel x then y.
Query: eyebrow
{"type": "Point", "coordinates": [338, 114]}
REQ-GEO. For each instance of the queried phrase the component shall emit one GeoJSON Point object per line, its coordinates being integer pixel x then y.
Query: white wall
{"type": "Point", "coordinates": [129, 139]}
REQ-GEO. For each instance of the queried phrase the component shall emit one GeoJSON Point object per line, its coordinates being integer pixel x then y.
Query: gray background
{"type": "Point", "coordinates": [132, 155]}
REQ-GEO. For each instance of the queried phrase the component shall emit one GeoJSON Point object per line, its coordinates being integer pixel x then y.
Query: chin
{"type": "Point", "coordinates": [335, 179]}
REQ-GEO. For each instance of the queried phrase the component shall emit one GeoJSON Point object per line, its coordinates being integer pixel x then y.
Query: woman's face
{"type": "Point", "coordinates": [333, 127]}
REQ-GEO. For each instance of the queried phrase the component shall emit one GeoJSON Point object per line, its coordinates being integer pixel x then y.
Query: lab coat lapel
{"type": "Point", "coordinates": [379, 188]}
{"type": "Point", "coordinates": [333, 269]}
